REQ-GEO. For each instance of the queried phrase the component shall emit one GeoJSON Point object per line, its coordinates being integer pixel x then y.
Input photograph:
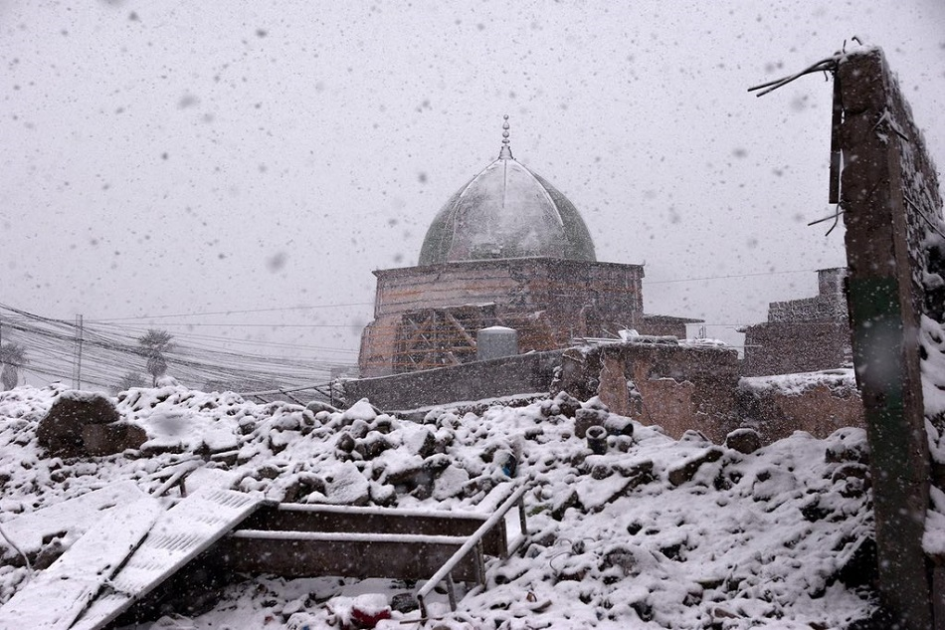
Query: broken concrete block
{"type": "Point", "coordinates": [619, 425]}
{"type": "Point", "coordinates": [109, 439]}
{"type": "Point", "coordinates": [345, 443]}
{"type": "Point", "coordinates": [450, 483]}
{"type": "Point", "coordinates": [372, 445]}
{"type": "Point", "coordinates": [302, 486]}
{"type": "Point", "coordinates": [383, 495]}
{"type": "Point", "coordinates": [403, 471]}
{"type": "Point", "coordinates": [587, 418]}
{"type": "Point", "coordinates": [361, 410]}
{"type": "Point", "coordinates": [347, 486]}
{"type": "Point", "coordinates": [317, 406]}
{"type": "Point", "coordinates": [594, 494]}
{"type": "Point", "coordinates": [420, 441]}
{"type": "Point", "coordinates": [562, 503]}
{"type": "Point", "coordinates": [279, 440]}
{"type": "Point", "coordinates": [60, 431]}
{"type": "Point", "coordinates": [688, 470]}
{"type": "Point", "coordinates": [567, 404]}
{"type": "Point", "coordinates": [743, 440]}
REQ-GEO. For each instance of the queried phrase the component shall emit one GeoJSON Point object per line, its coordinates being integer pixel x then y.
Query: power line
{"type": "Point", "coordinates": [237, 312]}
{"type": "Point", "coordinates": [245, 325]}
{"type": "Point", "coordinates": [140, 330]}
{"type": "Point", "coordinates": [111, 353]}
{"type": "Point", "coordinates": [743, 275]}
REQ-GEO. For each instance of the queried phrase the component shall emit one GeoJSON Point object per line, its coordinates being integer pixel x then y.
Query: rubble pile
{"type": "Point", "coordinates": [628, 527]}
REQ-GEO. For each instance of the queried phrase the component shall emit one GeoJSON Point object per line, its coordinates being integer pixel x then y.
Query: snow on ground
{"type": "Point", "coordinates": [655, 533]}
{"type": "Point", "coordinates": [795, 384]}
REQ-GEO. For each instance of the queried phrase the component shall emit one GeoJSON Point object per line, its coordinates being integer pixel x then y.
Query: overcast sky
{"type": "Point", "coordinates": [170, 161]}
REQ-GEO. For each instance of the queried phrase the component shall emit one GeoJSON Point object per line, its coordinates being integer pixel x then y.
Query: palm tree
{"type": "Point", "coordinates": [12, 358]}
{"type": "Point", "coordinates": [129, 380]}
{"type": "Point", "coordinates": [153, 346]}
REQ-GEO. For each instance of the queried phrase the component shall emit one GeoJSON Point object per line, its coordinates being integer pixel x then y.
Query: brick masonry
{"type": "Point", "coordinates": [802, 335]}
{"type": "Point", "coordinates": [549, 301]}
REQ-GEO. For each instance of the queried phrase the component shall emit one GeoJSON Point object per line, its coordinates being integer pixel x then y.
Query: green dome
{"type": "Point", "coordinates": [507, 211]}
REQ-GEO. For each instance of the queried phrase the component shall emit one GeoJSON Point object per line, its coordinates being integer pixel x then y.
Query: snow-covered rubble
{"type": "Point", "coordinates": [654, 533]}
{"type": "Point", "coordinates": [796, 384]}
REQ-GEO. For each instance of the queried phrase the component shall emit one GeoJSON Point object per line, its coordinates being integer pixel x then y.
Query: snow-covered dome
{"type": "Point", "coordinates": [507, 211]}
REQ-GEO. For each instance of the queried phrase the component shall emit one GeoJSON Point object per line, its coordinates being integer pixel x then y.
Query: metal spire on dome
{"type": "Point", "coordinates": [506, 152]}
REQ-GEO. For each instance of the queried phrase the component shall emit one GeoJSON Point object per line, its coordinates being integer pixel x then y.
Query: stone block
{"type": "Point", "coordinates": [743, 440]}
{"type": "Point", "coordinates": [60, 431]}
{"type": "Point", "coordinates": [110, 439]}
{"type": "Point", "coordinates": [688, 470]}
{"type": "Point", "coordinates": [587, 418]}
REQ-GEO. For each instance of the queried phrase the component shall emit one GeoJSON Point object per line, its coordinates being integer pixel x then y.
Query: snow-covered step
{"type": "Point", "coordinates": [178, 536]}
{"type": "Point", "coordinates": [57, 596]}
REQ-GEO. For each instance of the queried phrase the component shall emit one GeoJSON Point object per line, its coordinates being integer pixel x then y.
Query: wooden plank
{"type": "Point", "coordinates": [462, 331]}
{"type": "Point", "coordinates": [74, 516]}
{"type": "Point", "coordinates": [57, 596]}
{"type": "Point", "coordinates": [311, 518]}
{"type": "Point", "coordinates": [178, 536]}
{"type": "Point", "coordinates": [347, 558]}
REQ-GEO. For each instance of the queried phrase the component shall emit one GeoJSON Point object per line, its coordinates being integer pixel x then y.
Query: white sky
{"type": "Point", "coordinates": [173, 158]}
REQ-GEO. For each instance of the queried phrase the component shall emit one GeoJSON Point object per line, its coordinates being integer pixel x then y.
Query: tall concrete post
{"type": "Point", "coordinates": [881, 152]}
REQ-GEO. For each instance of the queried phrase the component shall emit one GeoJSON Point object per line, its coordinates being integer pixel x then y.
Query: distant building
{"type": "Point", "coordinates": [803, 335]}
{"type": "Point", "coordinates": [508, 249]}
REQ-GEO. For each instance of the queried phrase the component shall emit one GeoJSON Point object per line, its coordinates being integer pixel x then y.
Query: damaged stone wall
{"type": "Point", "coordinates": [788, 348]}
{"type": "Point", "coordinates": [820, 406]}
{"type": "Point", "coordinates": [803, 335]}
{"type": "Point", "coordinates": [548, 300]}
{"type": "Point", "coordinates": [666, 326]}
{"type": "Point", "coordinates": [508, 376]}
{"type": "Point", "coordinates": [677, 387]}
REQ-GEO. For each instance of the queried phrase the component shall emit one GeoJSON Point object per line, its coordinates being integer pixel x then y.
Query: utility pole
{"type": "Point", "coordinates": [77, 376]}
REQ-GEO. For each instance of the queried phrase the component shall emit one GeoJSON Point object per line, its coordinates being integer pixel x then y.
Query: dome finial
{"type": "Point", "coordinates": [506, 152]}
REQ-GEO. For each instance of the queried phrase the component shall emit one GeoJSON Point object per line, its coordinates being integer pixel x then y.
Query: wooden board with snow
{"type": "Point", "coordinates": [58, 595]}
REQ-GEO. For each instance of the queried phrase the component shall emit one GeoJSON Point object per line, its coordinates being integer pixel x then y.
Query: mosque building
{"type": "Point", "coordinates": [507, 249]}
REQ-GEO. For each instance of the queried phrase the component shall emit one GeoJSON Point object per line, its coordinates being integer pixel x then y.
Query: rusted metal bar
{"type": "Point", "coordinates": [177, 478]}
{"type": "Point", "coordinates": [470, 543]}
{"type": "Point", "coordinates": [287, 391]}
{"type": "Point", "coordinates": [267, 534]}
{"type": "Point", "coordinates": [835, 153]}
{"type": "Point", "coordinates": [451, 591]}
{"type": "Point", "coordinates": [480, 564]}
{"type": "Point", "coordinates": [521, 517]}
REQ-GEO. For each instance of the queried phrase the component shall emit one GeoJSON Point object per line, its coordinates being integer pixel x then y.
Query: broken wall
{"type": "Point", "coordinates": [790, 347]}
{"type": "Point", "coordinates": [507, 376]}
{"type": "Point", "coordinates": [819, 404]}
{"type": "Point", "coordinates": [549, 301]}
{"type": "Point", "coordinates": [675, 386]}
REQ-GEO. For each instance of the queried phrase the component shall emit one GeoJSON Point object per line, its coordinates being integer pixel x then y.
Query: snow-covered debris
{"type": "Point", "coordinates": [653, 533]}
{"type": "Point", "coordinates": [796, 384]}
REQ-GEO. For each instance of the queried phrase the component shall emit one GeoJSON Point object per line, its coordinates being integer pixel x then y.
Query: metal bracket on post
{"type": "Point", "coordinates": [451, 591]}
{"type": "Point", "coordinates": [480, 564]}
{"type": "Point", "coordinates": [474, 543]}
{"type": "Point", "coordinates": [835, 153]}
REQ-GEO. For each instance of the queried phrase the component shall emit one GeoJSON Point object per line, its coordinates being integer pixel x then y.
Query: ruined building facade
{"type": "Point", "coordinates": [803, 335]}
{"type": "Point", "coordinates": [508, 249]}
